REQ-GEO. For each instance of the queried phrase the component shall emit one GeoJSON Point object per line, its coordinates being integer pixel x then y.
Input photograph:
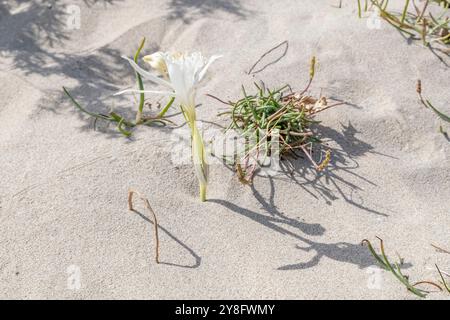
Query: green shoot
{"type": "Point", "coordinates": [140, 85]}
{"type": "Point", "coordinates": [385, 264]}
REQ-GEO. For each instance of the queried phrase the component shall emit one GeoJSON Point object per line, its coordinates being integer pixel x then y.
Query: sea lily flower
{"type": "Point", "coordinates": [182, 74]}
{"type": "Point", "coordinates": [157, 62]}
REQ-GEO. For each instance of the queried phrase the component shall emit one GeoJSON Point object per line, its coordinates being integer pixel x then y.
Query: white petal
{"type": "Point", "coordinates": [205, 68]}
{"type": "Point", "coordinates": [166, 93]}
{"type": "Point", "coordinates": [157, 62]}
{"type": "Point", "coordinates": [147, 75]}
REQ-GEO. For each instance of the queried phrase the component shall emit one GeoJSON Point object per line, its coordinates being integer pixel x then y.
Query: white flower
{"type": "Point", "coordinates": [184, 71]}
{"type": "Point", "coordinates": [182, 74]}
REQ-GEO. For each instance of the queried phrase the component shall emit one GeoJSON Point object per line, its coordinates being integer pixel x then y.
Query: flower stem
{"type": "Point", "coordinates": [202, 192]}
{"type": "Point", "coordinates": [197, 149]}
{"type": "Point", "coordinates": [199, 160]}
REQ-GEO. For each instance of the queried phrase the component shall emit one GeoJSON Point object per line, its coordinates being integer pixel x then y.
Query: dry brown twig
{"type": "Point", "coordinates": [285, 42]}
{"type": "Point", "coordinates": [147, 204]}
{"type": "Point", "coordinates": [439, 249]}
{"type": "Point", "coordinates": [429, 283]}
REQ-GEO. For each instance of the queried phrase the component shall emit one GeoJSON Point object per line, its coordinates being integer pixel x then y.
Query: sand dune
{"type": "Point", "coordinates": [64, 185]}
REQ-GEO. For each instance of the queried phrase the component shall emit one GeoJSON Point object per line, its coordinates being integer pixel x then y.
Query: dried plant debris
{"type": "Point", "coordinates": [396, 271]}
{"type": "Point", "coordinates": [428, 21]}
{"type": "Point", "coordinates": [440, 249]}
{"type": "Point", "coordinates": [427, 104]}
{"type": "Point", "coordinates": [278, 116]}
{"type": "Point", "coordinates": [131, 193]}
{"type": "Point", "coordinates": [284, 45]}
{"type": "Point", "coordinates": [124, 125]}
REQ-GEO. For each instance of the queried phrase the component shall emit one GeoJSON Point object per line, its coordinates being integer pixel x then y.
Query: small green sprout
{"type": "Point", "coordinates": [396, 271]}
{"type": "Point", "coordinates": [122, 124]}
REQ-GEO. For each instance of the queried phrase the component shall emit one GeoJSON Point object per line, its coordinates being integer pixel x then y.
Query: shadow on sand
{"type": "Point", "coordinates": [189, 10]}
{"type": "Point", "coordinates": [344, 160]}
{"type": "Point", "coordinates": [196, 257]}
{"type": "Point", "coordinates": [30, 32]}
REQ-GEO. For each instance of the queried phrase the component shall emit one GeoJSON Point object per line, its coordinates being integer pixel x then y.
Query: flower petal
{"type": "Point", "coordinates": [147, 75]}
{"type": "Point", "coordinates": [157, 62]}
{"type": "Point", "coordinates": [166, 93]}
{"type": "Point", "coordinates": [205, 68]}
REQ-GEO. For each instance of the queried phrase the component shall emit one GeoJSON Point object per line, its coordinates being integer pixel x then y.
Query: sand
{"type": "Point", "coordinates": [66, 233]}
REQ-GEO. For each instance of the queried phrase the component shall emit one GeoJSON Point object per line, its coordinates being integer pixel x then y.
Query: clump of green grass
{"type": "Point", "coordinates": [427, 104]}
{"type": "Point", "coordinates": [279, 113]}
{"type": "Point", "coordinates": [124, 125]}
{"type": "Point", "coordinates": [418, 23]}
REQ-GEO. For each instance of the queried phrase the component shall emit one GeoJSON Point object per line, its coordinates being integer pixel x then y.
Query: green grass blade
{"type": "Point", "coordinates": [385, 264]}
{"type": "Point", "coordinates": [122, 130]}
{"type": "Point", "coordinates": [440, 114]}
{"type": "Point", "coordinates": [405, 10]}
{"type": "Point", "coordinates": [164, 110]}
{"type": "Point", "coordinates": [443, 280]}
{"type": "Point", "coordinates": [139, 78]}
{"type": "Point", "coordinates": [76, 104]}
{"type": "Point", "coordinates": [374, 254]}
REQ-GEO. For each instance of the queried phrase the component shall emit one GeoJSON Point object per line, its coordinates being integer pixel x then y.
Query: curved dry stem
{"type": "Point", "coordinates": [431, 283]}
{"type": "Point", "coordinates": [285, 42]}
{"type": "Point", "coordinates": [131, 193]}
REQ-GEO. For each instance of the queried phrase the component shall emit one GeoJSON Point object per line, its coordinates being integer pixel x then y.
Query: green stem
{"type": "Point", "coordinates": [198, 158]}
{"type": "Point", "coordinates": [140, 85]}
{"type": "Point", "coordinates": [440, 114]}
{"type": "Point", "coordinates": [197, 151]}
{"type": "Point", "coordinates": [405, 10]}
{"type": "Point", "coordinates": [202, 192]}
{"type": "Point", "coordinates": [163, 111]}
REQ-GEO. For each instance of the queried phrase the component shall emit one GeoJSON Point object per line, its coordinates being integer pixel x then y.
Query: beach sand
{"type": "Point", "coordinates": [63, 190]}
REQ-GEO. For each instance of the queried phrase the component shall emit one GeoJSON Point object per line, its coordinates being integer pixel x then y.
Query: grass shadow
{"type": "Point", "coordinates": [328, 185]}
{"type": "Point", "coordinates": [189, 10]}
